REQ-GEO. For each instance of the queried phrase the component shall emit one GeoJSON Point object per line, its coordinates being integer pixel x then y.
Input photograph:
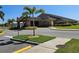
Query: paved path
{"type": "Point", "coordinates": [48, 47]}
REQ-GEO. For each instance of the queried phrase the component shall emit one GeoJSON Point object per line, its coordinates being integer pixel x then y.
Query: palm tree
{"type": "Point", "coordinates": [18, 25]}
{"type": "Point", "coordinates": [1, 14]}
{"type": "Point", "coordinates": [31, 12]}
{"type": "Point", "coordinates": [24, 18]}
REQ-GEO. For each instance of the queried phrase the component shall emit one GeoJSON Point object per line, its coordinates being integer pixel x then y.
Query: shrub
{"type": "Point", "coordinates": [1, 30]}
{"type": "Point", "coordinates": [15, 28]}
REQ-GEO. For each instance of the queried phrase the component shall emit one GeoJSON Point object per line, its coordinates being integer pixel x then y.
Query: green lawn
{"type": "Point", "coordinates": [70, 47]}
{"type": "Point", "coordinates": [30, 28]}
{"type": "Point", "coordinates": [23, 28]}
{"type": "Point", "coordinates": [68, 27]}
{"type": "Point", "coordinates": [1, 30]}
{"type": "Point", "coordinates": [39, 39]}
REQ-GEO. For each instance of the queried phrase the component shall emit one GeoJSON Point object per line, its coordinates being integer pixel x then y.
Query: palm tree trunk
{"type": "Point", "coordinates": [3, 24]}
{"type": "Point", "coordinates": [18, 32]}
{"type": "Point", "coordinates": [18, 27]}
{"type": "Point", "coordinates": [33, 25]}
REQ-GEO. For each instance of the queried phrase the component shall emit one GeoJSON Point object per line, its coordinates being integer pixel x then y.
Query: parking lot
{"type": "Point", "coordinates": [11, 47]}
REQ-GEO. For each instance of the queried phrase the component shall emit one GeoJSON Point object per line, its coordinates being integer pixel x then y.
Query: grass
{"type": "Point", "coordinates": [68, 27]}
{"type": "Point", "coordinates": [39, 39]}
{"type": "Point", "coordinates": [70, 47]}
{"type": "Point", "coordinates": [30, 28]}
{"type": "Point", "coordinates": [1, 30]}
{"type": "Point", "coordinates": [21, 37]}
{"type": "Point", "coordinates": [23, 28]}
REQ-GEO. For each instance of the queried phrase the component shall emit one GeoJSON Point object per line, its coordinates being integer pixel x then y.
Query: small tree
{"type": "Point", "coordinates": [24, 18]}
{"type": "Point", "coordinates": [32, 12]}
{"type": "Point", "coordinates": [18, 25]}
{"type": "Point", "coordinates": [1, 14]}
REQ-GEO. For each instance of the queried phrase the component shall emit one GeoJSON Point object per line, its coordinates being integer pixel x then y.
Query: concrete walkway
{"type": "Point", "coordinates": [63, 29]}
{"type": "Point", "coordinates": [48, 47]}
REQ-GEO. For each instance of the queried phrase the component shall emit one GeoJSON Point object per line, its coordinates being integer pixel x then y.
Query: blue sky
{"type": "Point", "coordinates": [69, 11]}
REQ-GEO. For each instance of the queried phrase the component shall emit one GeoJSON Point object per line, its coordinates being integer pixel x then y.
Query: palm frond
{"type": "Point", "coordinates": [2, 15]}
{"type": "Point", "coordinates": [28, 9]}
{"type": "Point", "coordinates": [40, 11]}
{"type": "Point", "coordinates": [33, 10]}
{"type": "Point", "coordinates": [25, 14]}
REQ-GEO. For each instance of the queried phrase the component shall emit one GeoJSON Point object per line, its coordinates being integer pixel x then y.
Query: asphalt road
{"type": "Point", "coordinates": [11, 47]}
{"type": "Point", "coordinates": [46, 31]}
{"type": "Point", "coordinates": [40, 31]}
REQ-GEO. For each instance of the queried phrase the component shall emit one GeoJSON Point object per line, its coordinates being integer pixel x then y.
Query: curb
{"type": "Point", "coordinates": [23, 49]}
{"type": "Point", "coordinates": [29, 42]}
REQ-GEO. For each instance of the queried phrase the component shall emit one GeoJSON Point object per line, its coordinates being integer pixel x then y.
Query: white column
{"type": "Point", "coordinates": [52, 23]}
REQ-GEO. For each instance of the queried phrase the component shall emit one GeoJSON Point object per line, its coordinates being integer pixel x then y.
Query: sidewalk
{"type": "Point", "coordinates": [54, 28]}
{"type": "Point", "coordinates": [48, 47]}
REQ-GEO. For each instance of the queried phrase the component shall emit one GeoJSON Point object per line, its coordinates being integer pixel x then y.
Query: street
{"type": "Point", "coordinates": [39, 31]}
{"type": "Point", "coordinates": [46, 31]}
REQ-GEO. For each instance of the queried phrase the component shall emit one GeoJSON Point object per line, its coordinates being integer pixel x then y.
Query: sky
{"type": "Point", "coordinates": [69, 11]}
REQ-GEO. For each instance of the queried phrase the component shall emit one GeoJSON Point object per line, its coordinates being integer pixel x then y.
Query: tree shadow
{"type": "Point", "coordinates": [17, 43]}
{"type": "Point", "coordinates": [6, 43]}
{"type": "Point", "coordinates": [1, 40]}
